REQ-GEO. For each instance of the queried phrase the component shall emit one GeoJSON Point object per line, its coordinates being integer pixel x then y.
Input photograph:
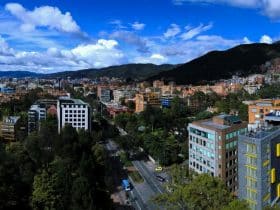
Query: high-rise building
{"type": "Point", "coordinates": [213, 147]}
{"type": "Point", "coordinates": [259, 165]}
{"type": "Point", "coordinates": [74, 112]}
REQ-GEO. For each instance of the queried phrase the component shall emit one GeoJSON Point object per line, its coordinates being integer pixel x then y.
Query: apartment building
{"type": "Point", "coordinates": [259, 108]}
{"type": "Point", "coordinates": [9, 128]}
{"type": "Point", "coordinates": [38, 112]}
{"type": "Point", "coordinates": [144, 99]}
{"type": "Point", "coordinates": [104, 93]}
{"type": "Point", "coordinates": [74, 112]}
{"type": "Point", "coordinates": [259, 167]}
{"type": "Point", "coordinates": [213, 147]}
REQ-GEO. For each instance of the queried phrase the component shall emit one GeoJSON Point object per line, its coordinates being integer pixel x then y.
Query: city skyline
{"type": "Point", "coordinates": [51, 36]}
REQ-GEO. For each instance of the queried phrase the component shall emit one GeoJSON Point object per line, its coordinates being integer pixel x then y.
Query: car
{"type": "Point", "coordinates": [160, 178]}
{"type": "Point", "coordinates": [158, 168]}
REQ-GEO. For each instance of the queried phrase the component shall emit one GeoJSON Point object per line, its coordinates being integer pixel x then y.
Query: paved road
{"type": "Point", "coordinates": [118, 175]}
{"type": "Point", "coordinates": [149, 176]}
{"type": "Point", "coordinates": [141, 194]}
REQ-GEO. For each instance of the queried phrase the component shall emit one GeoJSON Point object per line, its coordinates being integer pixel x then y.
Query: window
{"type": "Point", "coordinates": [251, 148]}
{"type": "Point", "coordinates": [251, 161]}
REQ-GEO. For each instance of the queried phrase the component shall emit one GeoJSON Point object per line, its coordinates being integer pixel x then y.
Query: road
{"type": "Point", "coordinates": [118, 174]}
{"type": "Point", "coordinates": [142, 193]}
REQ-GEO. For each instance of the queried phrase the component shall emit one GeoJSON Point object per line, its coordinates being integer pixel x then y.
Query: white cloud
{"type": "Point", "coordinates": [270, 8]}
{"type": "Point", "coordinates": [96, 55]}
{"type": "Point", "coordinates": [192, 32]}
{"type": "Point", "coordinates": [266, 39]}
{"type": "Point", "coordinates": [131, 38]}
{"type": "Point", "coordinates": [184, 51]}
{"type": "Point", "coordinates": [154, 58]}
{"type": "Point", "coordinates": [45, 16]}
{"type": "Point", "coordinates": [138, 26]}
{"type": "Point", "coordinates": [118, 24]}
{"type": "Point", "coordinates": [246, 40]}
{"type": "Point", "coordinates": [172, 31]}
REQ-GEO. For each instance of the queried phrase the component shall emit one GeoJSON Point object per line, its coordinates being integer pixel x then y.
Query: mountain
{"type": "Point", "coordinates": [242, 60]}
{"type": "Point", "coordinates": [134, 71]}
{"type": "Point", "coordinates": [18, 74]}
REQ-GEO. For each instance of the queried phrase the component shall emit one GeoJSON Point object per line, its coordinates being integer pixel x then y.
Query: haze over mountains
{"type": "Point", "coordinates": [215, 65]}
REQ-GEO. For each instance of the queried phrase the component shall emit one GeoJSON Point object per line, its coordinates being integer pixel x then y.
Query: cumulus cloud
{"type": "Point", "coordinates": [184, 51]}
{"type": "Point", "coordinates": [266, 39]}
{"type": "Point", "coordinates": [45, 16]}
{"type": "Point", "coordinates": [96, 55]}
{"type": "Point", "coordinates": [131, 38]}
{"type": "Point", "coordinates": [138, 26]}
{"type": "Point", "coordinates": [172, 31]}
{"type": "Point", "coordinates": [192, 32]}
{"type": "Point", "coordinates": [246, 40]}
{"type": "Point", "coordinates": [270, 8]}
{"type": "Point", "coordinates": [155, 58]}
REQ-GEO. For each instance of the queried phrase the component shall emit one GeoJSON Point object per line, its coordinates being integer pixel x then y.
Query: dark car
{"type": "Point", "coordinates": [160, 178]}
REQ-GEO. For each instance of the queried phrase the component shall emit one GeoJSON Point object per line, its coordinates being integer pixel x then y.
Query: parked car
{"type": "Point", "coordinates": [160, 178]}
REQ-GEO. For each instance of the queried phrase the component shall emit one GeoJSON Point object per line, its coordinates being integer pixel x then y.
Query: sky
{"type": "Point", "coordinates": [60, 35]}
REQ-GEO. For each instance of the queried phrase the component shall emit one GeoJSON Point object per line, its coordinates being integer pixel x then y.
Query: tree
{"type": "Point", "coordinates": [81, 195]}
{"type": "Point", "coordinates": [202, 193]}
{"type": "Point", "coordinates": [52, 186]}
{"type": "Point", "coordinates": [237, 205]}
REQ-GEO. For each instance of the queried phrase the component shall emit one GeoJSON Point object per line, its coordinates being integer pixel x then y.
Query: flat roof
{"type": "Point", "coordinates": [71, 101]}
{"type": "Point", "coordinates": [263, 132]}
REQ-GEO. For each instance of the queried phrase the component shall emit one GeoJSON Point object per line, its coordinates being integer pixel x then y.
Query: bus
{"type": "Point", "coordinates": [126, 185]}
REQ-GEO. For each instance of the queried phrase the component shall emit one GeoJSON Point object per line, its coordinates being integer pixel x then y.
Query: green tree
{"type": "Point", "coordinates": [237, 205]}
{"type": "Point", "coordinates": [202, 193]}
{"type": "Point", "coordinates": [52, 186]}
{"type": "Point", "coordinates": [81, 195]}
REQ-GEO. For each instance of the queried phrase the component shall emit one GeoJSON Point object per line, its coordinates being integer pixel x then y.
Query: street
{"type": "Point", "coordinates": [142, 193]}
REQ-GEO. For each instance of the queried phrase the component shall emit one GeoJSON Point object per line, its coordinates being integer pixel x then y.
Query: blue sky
{"type": "Point", "coordinates": [49, 36]}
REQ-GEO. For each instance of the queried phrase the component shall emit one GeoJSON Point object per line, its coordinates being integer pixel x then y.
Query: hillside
{"type": "Point", "coordinates": [215, 65]}
{"type": "Point", "coordinates": [134, 71]}
{"type": "Point", "coordinates": [18, 74]}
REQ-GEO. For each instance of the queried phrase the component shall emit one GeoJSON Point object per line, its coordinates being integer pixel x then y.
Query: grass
{"type": "Point", "coordinates": [124, 160]}
{"type": "Point", "coordinates": [136, 177]}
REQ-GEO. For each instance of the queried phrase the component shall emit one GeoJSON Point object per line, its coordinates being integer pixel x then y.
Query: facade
{"type": "Point", "coordinates": [38, 112]}
{"type": "Point", "coordinates": [166, 101]}
{"type": "Point", "coordinates": [9, 128]}
{"type": "Point", "coordinates": [74, 112]}
{"type": "Point", "coordinates": [259, 167]}
{"type": "Point", "coordinates": [104, 94]}
{"type": "Point", "coordinates": [144, 99]}
{"type": "Point", "coordinates": [258, 109]}
{"type": "Point", "coordinates": [213, 147]}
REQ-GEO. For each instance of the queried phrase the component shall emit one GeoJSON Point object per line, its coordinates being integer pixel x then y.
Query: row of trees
{"type": "Point", "coordinates": [187, 190]}
{"type": "Point", "coordinates": [55, 171]}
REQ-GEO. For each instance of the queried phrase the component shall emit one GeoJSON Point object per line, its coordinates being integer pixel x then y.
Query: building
{"type": "Point", "coordinates": [74, 112]}
{"type": "Point", "coordinates": [144, 99]}
{"type": "Point", "coordinates": [38, 112]}
{"type": "Point", "coordinates": [104, 94]}
{"type": "Point", "coordinates": [258, 109]}
{"type": "Point", "coordinates": [213, 147]}
{"type": "Point", "coordinates": [9, 129]}
{"type": "Point", "coordinates": [259, 165]}
{"type": "Point", "coordinates": [166, 101]}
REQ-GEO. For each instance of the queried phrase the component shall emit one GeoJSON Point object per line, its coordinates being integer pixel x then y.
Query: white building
{"type": "Point", "coordinates": [74, 112]}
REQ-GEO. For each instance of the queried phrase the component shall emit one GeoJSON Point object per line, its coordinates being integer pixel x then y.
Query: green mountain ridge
{"type": "Point", "coordinates": [241, 60]}
{"type": "Point", "coordinates": [133, 71]}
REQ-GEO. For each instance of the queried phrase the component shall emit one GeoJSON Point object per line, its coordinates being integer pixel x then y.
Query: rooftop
{"type": "Point", "coordinates": [67, 100]}
{"type": "Point", "coordinates": [11, 119]}
{"type": "Point", "coordinates": [263, 132]}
